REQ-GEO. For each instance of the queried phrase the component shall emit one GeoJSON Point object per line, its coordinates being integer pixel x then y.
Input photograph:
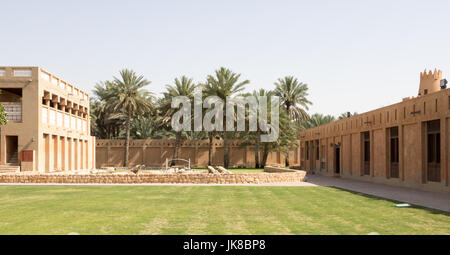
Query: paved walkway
{"type": "Point", "coordinates": [434, 200]}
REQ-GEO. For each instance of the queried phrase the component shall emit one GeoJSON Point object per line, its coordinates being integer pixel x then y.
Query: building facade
{"type": "Point", "coordinates": [404, 144]}
{"type": "Point", "coordinates": [48, 122]}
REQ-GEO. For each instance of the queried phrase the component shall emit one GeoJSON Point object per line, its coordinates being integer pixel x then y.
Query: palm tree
{"type": "Point", "coordinates": [181, 87]}
{"type": "Point", "coordinates": [224, 84]}
{"type": "Point", "coordinates": [293, 96]}
{"type": "Point", "coordinates": [3, 115]}
{"type": "Point", "coordinates": [256, 136]}
{"type": "Point", "coordinates": [126, 96]}
{"type": "Point", "coordinates": [316, 120]}
{"type": "Point", "coordinates": [195, 135]}
{"type": "Point", "coordinates": [211, 136]}
{"type": "Point", "coordinates": [146, 128]}
{"type": "Point", "coordinates": [106, 123]}
{"type": "Point", "coordinates": [288, 138]}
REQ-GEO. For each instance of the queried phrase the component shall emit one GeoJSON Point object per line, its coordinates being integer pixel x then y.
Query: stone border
{"type": "Point", "coordinates": [277, 169]}
{"type": "Point", "coordinates": [129, 178]}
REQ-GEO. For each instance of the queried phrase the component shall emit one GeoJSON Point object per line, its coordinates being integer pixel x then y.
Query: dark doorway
{"type": "Point", "coordinates": [366, 152]}
{"type": "Point", "coordinates": [11, 149]}
{"type": "Point", "coordinates": [394, 154]}
{"type": "Point", "coordinates": [338, 160]}
{"type": "Point", "coordinates": [434, 151]}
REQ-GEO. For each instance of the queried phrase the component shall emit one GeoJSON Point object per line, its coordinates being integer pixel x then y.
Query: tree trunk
{"type": "Point", "coordinates": [175, 150]}
{"type": "Point", "coordinates": [210, 136]}
{"type": "Point", "coordinates": [265, 155]}
{"type": "Point", "coordinates": [257, 152]}
{"type": "Point", "coordinates": [286, 162]}
{"type": "Point", "coordinates": [225, 150]}
{"type": "Point", "coordinates": [127, 141]}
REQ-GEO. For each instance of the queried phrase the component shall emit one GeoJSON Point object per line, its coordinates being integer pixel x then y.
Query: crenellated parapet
{"type": "Point", "coordinates": [430, 82]}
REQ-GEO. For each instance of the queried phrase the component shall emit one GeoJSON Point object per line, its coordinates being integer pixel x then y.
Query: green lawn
{"type": "Point", "coordinates": [207, 210]}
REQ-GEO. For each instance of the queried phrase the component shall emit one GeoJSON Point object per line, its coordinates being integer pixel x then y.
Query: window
{"type": "Point", "coordinates": [317, 150]}
{"type": "Point", "coordinates": [44, 115]}
{"type": "Point", "coordinates": [66, 121]}
{"type": "Point", "coordinates": [54, 81]}
{"type": "Point", "coordinates": [13, 111]}
{"type": "Point", "coordinates": [73, 124]}
{"type": "Point", "coordinates": [59, 119]}
{"type": "Point", "coordinates": [366, 152]}
{"type": "Point", "coordinates": [45, 76]}
{"type": "Point", "coordinates": [22, 73]}
{"type": "Point", "coordinates": [52, 117]}
{"type": "Point", "coordinates": [433, 151]}
{"type": "Point", "coordinates": [393, 152]}
{"type": "Point", "coordinates": [2, 72]}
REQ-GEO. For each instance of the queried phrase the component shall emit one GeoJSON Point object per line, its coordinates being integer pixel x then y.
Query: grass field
{"type": "Point", "coordinates": [207, 210]}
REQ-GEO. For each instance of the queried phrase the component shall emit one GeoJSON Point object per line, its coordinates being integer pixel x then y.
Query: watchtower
{"type": "Point", "coordinates": [430, 82]}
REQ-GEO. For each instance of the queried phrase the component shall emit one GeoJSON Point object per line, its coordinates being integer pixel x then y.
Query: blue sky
{"type": "Point", "coordinates": [354, 55]}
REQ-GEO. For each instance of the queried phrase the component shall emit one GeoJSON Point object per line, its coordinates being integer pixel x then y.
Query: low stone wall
{"type": "Point", "coordinates": [200, 178]}
{"type": "Point", "coordinates": [277, 169]}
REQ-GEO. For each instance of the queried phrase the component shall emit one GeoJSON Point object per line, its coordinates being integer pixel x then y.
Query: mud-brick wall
{"type": "Point", "coordinates": [155, 152]}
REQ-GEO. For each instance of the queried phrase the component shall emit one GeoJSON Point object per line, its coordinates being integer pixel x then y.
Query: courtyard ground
{"type": "Point", "coordinates": [207, 210]}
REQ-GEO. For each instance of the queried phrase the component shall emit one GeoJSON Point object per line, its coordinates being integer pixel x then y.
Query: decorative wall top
{"type": "Point", "coordinates": [430, 82]}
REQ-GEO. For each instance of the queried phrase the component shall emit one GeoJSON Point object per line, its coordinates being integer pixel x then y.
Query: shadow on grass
{"type": "Point", "coordinates": [431, 210]}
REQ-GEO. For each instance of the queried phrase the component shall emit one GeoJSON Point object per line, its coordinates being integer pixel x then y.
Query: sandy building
{"type": "Point", "coordinates": [403, 144]}
{"type": "Point", "coordinates": [48, 123]}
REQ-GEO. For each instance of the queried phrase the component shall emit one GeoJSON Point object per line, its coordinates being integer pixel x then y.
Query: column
{"type": "Point", "coordinates": [70, 154]}
{"type": "Point", "coordinates": [76, 165]}
{"type": "Point", "coordinates": [81, 143]}
{"type": "Point", "coordinates": [62, 141]}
